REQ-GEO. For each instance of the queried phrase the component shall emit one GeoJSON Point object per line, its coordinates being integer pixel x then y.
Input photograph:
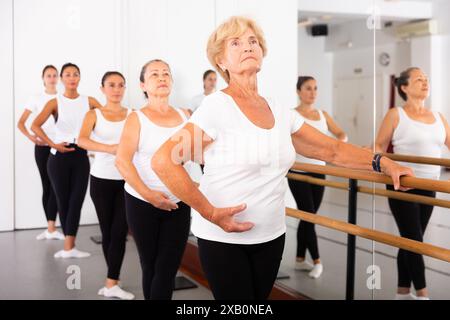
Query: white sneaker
{"type": "Point", "coordinates": [73, 253]}
{"type": "Point", "coordinates": [405, 296]}
{"type": "Point", "coordinates": [303, 265]}
{"type": "Point", "coordinates": [42, 236]}
{"type": "Point", "coordinates": [422, 298]}
{"type": "Point", "coordinates": [316, 272]}
{"type": "Point", "coordinates": [55, 235]}
{"type": "Point", "coordinates": [116, 292]}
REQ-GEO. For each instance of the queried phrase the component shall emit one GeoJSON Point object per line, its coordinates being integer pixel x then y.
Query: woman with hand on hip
{"type": "Point", "coordinates": [41, 149]}
{"type": "Point", "coordinates": [100, 133]}
{"type": "Point", "coordinates": [248, 143]}
{"type": "Point", "coordinates": [308, 197]}
{"type": "Point", "coordinates": [68, 164]}
{"type": "Point", "coordinates": [158, 220]}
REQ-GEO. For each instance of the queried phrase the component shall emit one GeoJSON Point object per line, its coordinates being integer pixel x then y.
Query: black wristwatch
{"type": "Point", "coordinates": [376, 162]}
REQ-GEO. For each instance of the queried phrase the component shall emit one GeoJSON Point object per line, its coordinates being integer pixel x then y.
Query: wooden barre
{"type": "Point", "coordinates": [317, 181]}
{"type": "Point", "coordinates": [379, 192]}
{"type": "Point", "coordinates": [410, 182]}
{"type": "Point", "coordinates": [417, 159]}
{"type": "Point", "coordinates": [378, 236]}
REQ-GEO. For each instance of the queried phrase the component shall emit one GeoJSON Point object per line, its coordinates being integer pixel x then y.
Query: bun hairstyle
{"type": "Point", "coordinates": [48, 67]}
{"type": "Point", "coordinates": [403, 80]}
{"type": "Point", "coordinates": [207, 73]}
{"type": "Point", "coordinates": [111, 73]}
{"type": "Point", "coordinates": [301, 80]}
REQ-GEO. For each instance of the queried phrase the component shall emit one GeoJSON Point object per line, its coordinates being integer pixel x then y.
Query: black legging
{"type": "Point", "coordinates": [107, 196]}
{"type": "Point", "coordinates": [412, 220]}
{"type": "Point", "coordinates": [241, 271]}
{"type": "Point", "coordinates": [41, 155]}
{"type": "Point", "coordinates": [160, 237]}
{"type": "Point", "coordinates": [69, 174]}
{"type": "Point", "coordinates": [308, 198]}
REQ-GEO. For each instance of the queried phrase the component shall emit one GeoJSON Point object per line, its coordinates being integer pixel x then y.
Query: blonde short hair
{"type": "Point", "coordinates": [233, 27]}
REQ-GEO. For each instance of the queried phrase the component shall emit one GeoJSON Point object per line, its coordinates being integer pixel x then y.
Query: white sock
{"type": "Point", "coordinates": [73, 253]}
{"type": "Point", "coordinates": [55, 235]}
{"type": "Point", "coordinates": [42, 236]}
{"type": "Point", "coordinates": [405, 296]}
{"type": "Point", "coordinates": [303, 265]}
{"type": "Point", "coordinates": [117, 292]}
{"type": "Point", "coordinates": [316, 271]}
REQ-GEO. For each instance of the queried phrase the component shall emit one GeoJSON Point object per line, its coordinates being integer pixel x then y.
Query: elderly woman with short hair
{"type": "Point", "coordinates": [248, 143]}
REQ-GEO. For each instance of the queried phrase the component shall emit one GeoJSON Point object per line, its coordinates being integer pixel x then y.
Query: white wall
{"type": "Point", "coordinates": [101, 35]}
{"type": "Point", "coordinates": [83, 32]}
{"type": "Point", "coordinates": [279, 23]}
{"type": "Point", "coordinates": [6, 120]}
{"type": "Point", "coordinates": [175, 31]}
{"type": "Point", "coordinates": [313, 60]}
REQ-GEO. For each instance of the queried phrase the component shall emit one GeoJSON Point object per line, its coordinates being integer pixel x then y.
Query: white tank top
{"type": "Point", "coordinates": [36, 104]}
{"type": "Point", "coordinates": [71, 113]}
{"type": "Point", "coordinates": [106, 132]}
{"type": "Point", "coordinates": [151, 137]}
{"type": "Point", "coordinates": [416, 138]}
{"type": "Point", "coordinates": [320, 125]}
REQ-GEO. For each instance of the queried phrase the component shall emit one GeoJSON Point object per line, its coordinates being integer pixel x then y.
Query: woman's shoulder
{"type": "Point", "coordinates": [215, 102]}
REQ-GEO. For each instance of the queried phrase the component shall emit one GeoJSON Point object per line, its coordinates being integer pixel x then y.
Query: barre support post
{"type": "Point", "coordinates": [351, 240]}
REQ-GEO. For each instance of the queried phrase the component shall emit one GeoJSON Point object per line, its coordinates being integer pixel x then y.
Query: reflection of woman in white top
{"type": "Point", "coordinates": [309, 196]}
{"type": "Point", "coordinates": [248, 143]}
{"type": "Point", "coordinates": [415, 130]}
{"type": "Point", "coordinates": [41, 150]}
{"type": "Point", "coordinates": [209, 86]}
{"type": "Point", "coordinates": [101, 132]}
{"type": "Point", "coordinates": [158, 220]}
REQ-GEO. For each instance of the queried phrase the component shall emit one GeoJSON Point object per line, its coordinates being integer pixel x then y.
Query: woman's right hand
{"type": "Point", "coordinates": [224, 218]}
{"type": "Point", "coordinates": [62, 147]}
{"type": "Point", "coordinates": [160, 200]}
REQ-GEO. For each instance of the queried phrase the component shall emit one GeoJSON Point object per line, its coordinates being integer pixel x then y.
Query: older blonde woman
{"type": "Point", "coordinates": [249, 143]}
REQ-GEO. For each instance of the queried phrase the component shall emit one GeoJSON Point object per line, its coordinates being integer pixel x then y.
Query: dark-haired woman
{"type": "Point", "coordinates": [100, 133]}
{"type": "Point", "coordinates": [158, 220]}
{"type": "Point", "coordinates": [308, 196]}
{"type": "Point", "coordinates": [68, 164]}
{"type": "Point", "coordinates": [209, 86]}
{"type": "Point", "coordinates": [35, 105]}
{"type": "Point", "coordinates": [414, 129]}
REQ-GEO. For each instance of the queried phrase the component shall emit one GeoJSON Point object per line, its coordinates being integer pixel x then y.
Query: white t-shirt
{"type": "Point", "coordinates": [35, 104]}
{"type": "Point", "coordinates": [245, 164]}
{"type": "Point", "coordinates": [196, 102]}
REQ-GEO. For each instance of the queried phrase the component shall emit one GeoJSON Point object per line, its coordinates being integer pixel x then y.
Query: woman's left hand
{"type": "Point", "coordinates": [395, 171]}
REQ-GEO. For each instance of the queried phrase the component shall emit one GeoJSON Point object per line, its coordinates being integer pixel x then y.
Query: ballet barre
{"type": "Point", "coordinates": [415, 159]}
{"type": "Point", "coordinates": [372, 191]}
{"type": "Point", "coordinates": [353, 188]}
{"type": "Point", "coordinates": [409, 182]}
{"type": "Point", "coordinates": [375, 235]}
